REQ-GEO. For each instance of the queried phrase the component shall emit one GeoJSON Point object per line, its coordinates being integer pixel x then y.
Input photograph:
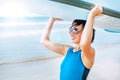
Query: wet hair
{"type": "Point", "coordinates": [78, 22]}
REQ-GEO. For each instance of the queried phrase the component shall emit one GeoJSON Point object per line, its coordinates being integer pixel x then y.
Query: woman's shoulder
{"type": "Point", "coordinates": [68, 48]}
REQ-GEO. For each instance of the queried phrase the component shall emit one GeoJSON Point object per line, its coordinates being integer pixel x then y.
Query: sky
{"type": "Point", "coordinates": [20, 8]}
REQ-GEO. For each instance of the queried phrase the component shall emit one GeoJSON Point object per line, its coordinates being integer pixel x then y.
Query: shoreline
{"type": "Point", "coordinates": [36, 59]}
{"type": "Point", "coordinates": [42, 58]}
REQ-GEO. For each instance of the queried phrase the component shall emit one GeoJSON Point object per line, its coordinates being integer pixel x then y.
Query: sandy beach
{"type": "Point", "coordinates": [107, 63]}
{"type": "Point", "coordinates": [106, 67]}
{"type": "Point", "coordinates": [36, 70]}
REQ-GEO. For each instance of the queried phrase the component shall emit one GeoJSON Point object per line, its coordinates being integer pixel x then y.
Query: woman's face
{"type": "Point", "coordinates": [75, 33]}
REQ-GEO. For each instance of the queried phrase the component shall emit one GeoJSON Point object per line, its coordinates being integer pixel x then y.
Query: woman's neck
{"type": "Point", "coordinates": [77, 47]}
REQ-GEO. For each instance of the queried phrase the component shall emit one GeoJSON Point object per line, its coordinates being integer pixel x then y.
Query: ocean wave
{"type": "Point", "coordinates": [23, 33]}
{"type": "Point", "coordinates": [8, 24]}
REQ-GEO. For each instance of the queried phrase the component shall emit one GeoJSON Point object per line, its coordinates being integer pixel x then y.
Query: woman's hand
{"type": "Point", "coordinates": [96, 11]}
{"type": "Point", "coordinates": [54, 19]}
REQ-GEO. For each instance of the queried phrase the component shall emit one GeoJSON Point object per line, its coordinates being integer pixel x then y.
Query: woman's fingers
{"type": "Point", "coordinates": [97, 10]}
{"type": "Point", "coordinates": [55, 18]}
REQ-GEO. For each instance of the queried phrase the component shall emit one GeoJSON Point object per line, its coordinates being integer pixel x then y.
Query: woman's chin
{"type": "Point", "coordinates": [75, 42]}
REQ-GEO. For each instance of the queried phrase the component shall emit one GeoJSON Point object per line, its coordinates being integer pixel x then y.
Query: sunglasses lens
{"type": "Point", "coordinates": [74, 30]}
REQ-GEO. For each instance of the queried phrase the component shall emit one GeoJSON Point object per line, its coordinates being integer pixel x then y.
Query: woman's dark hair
{"type": "Point", "coordinates": [77, 22]}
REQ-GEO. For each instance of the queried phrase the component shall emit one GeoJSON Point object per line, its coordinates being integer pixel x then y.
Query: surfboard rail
{"type": "Point", "coordinates": [89, 6]}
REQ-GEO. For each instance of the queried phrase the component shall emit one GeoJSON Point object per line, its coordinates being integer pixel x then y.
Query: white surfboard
{"type": "Point", "coordinates": [70, 12]}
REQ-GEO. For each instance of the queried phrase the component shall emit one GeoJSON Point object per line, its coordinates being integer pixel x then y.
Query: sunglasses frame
{"type": "Point", "coordinates": [74, 30]}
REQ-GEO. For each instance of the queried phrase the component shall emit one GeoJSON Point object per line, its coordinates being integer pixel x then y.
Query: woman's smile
{"type": "Point", "coordinates": [73, 37]}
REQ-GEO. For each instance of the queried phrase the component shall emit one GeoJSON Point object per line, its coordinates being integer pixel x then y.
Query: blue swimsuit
{"type": "Point", "coordinates": [72, 67]}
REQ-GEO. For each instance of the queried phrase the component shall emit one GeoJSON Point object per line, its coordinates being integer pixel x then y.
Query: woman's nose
{"type": "Point", "coordinates": [71, 33]}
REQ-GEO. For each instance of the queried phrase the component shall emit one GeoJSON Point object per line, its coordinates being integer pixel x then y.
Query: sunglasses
{"type": "Point", "coordinates": [74, 30]}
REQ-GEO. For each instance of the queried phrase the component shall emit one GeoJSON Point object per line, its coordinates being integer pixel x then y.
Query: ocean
{"type": "Point", "coordinates": [20, 39]}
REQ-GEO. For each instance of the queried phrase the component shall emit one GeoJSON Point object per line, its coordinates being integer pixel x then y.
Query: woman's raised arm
{"type": "Point", "coordinates": [45, 40]}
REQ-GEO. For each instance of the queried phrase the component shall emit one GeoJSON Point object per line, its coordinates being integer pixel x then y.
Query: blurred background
{"type": "Point", "coordinates": [22, 57]}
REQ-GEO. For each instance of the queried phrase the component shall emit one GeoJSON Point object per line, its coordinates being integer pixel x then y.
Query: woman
{"type": "Point", "coordinates": [79, 59]}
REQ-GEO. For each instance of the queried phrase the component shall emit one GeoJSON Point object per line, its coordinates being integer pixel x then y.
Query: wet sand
{"type": "Point", "coordinates": [106, 67]}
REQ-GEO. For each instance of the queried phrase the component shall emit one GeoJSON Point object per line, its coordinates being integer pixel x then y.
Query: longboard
{"type": "Point", "coordinates": [69, 10]}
